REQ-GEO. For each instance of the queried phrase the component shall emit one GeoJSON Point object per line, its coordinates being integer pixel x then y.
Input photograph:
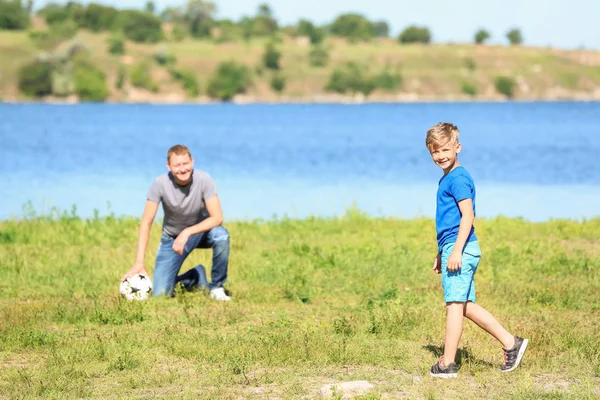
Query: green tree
{"type": "Point", "coordinates": [263, 24]}
{"type": "Point", "coordinates": [150, 7]}
{"type": "Point", "coordinates": [139, 26]}
{"type": "Point", "coordinates": [54, 13]}
{"type": "Point", "coordinates": [35, 79]}
{"type": "Point", "coordinates": [481, 36]}
{"type": "Point", "coordinates": [514, 36]}
{"type": "Point", "coordinates": [415, 34]}
{"type": "Point", "coordinates": [505, 85]}
{"type": "Point", "coordinates": [307, 28]}
{"type": "Point", "coordinates": [388, 79]}
{"type": "Point", "coordinates": [90, 81]}
{"type": "Point", "coordinates": [350, 78]}
{"type": "Point", "coordinates": [228, 80]}
{"type": "Point", "coordinates": [353, 26]}
{"type": "Point", "coordinates": [98, 17]}
{"type": "Point", "coordinates": [271, 57]}
{"type": "Point", "coordinates": [199, 16]}
{"type": "Point", "coordinates": [382, 29]}
{"type": "Point", "coordinates": [13, 15]}
{"type": "Point", "coordinates": [277, 83]}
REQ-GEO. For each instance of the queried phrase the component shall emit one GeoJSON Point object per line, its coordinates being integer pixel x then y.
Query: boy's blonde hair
{"type": "Point", "coordinates": [440, 134]}
{"type": "Point", "coordinates": [179, 150]}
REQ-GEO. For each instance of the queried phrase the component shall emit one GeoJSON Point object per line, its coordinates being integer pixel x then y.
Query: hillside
{"type": "Point", "coordinates": [429, 72]}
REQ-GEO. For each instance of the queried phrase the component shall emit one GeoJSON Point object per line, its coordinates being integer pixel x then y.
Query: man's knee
{"type": "Point", "coordinates": [219, 236]}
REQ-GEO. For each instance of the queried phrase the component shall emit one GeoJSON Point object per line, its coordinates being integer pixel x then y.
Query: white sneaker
{"type": "Point", "coordinates": [219, 294]}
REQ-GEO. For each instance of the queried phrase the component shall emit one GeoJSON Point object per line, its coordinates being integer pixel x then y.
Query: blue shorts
{"type": "Point", "coordinates": [459, 286]}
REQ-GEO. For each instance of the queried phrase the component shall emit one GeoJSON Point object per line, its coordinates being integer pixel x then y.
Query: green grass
{"type": "Point", "coordinates": [315, 302]}
{"type": "Point", "coordinates": [434, 71]}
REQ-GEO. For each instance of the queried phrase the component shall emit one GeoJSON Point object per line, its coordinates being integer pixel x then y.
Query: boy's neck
{"type": "Point", "coordinates": [452, 168]}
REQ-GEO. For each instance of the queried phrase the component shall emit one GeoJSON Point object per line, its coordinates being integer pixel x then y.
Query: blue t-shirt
{"type": "Point", "coordinates": [455, 186]}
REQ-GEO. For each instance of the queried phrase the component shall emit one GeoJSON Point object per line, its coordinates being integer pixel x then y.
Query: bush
{"type": "Point", "coordinates": [48, 39]}
{"type": "Point", "coordinates": [514, 36]}
{"type": "Point", "coordinates": [54, 13]}
{"type": "Point", "coordinates": [350, 78]}
{"type": "Point", "coordinates": [179, 33]}
{"type": "Point", "coordinates": [277, 83]}
{"type": "Point", "coordinates": [481, 36]}
{"type": "Point", "coordinates": [505, 85]}
{"type": "Point", "coordinates": [90, 82]}
{"type": "Point", "coordinates": [163, 57]}
{"type": "Point", "coordinates": [318, 56]}
{"type": "Point", "coordinates": [116, 44]}
{"type": "Point", "coordinates": [382, 29]}
{"type": "Point", "coordinates": [140, 77]}
{"type": "Point", "coordinates": [35, 79]}
{"type": "Point", "coordinates": [271, 57]}
{"type": "Point", "coordinates": [415, 34]}
{"type": "Point", "coordinates": [469, 88]}
{"type": "Point", "coordinates": [353, 26]}
{"type": "Point", "coordinates": [388, 80]}
{"type": "Point", "coordinates": [470, 64]}
{"type": "Point", "coordinates": [307, 28]}
{"type": "Point", "coordinates": [121, 77]}
{"type": "Point", "coordinates": [228, 80]}
{"type": "Point", "coordinates": [140, 26]}
{"type": "Point", "coordinates": [188, 80]}
{"type": "Point", "coordinates": [13, 16]}
{"type": "Point", "coordinates": [97, 17]}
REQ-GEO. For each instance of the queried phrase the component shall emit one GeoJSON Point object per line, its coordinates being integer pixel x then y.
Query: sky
{"type": "Point", "coordinates": [567, 24]}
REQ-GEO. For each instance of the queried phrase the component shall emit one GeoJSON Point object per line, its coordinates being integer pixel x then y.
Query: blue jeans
{"type": "Point", "coordinates": [168, 262]}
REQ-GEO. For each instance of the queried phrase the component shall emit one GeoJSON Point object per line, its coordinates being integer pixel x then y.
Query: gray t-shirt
{"type": "Point", "coordinates": [183, 206]}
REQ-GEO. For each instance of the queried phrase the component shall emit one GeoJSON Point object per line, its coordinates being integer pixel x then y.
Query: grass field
{"type": "Point", "coordinates": [315, 302]}
{"type": "Point", "coordinates": [435, 71]}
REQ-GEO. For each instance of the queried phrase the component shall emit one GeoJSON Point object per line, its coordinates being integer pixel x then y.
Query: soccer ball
{"type": "Point", "coordinates": [137, 287]}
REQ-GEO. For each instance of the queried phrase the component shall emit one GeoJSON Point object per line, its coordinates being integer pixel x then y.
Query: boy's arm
{"type": "Point", "coordinates": [464, 229]}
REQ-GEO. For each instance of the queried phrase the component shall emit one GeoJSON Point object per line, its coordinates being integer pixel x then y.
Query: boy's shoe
{"type": "Point", "coordinates": [439, 371]}
{"type": "Point", "coordinates": [512, 357]}
{"type": "Point", "coordinates": [219, 294]}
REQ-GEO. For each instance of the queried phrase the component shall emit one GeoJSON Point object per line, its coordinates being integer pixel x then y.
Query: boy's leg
{"type": "Point", "coordinates": [454, 327]}
{"type": "Point", "coordinates": [217, 239]}
{"type": "Point", "coordinates": [486, 321]}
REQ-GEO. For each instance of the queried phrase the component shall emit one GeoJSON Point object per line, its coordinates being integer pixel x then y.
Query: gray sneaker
{"type": "Point", "coordinates": [512, 357]}
{"type": "Point", "coordinates": [439, 371]}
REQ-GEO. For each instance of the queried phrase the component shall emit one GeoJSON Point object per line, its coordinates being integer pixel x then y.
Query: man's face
{"type": "Point", "coordinates": [181, 166]}
{"type": "Point", "coordinates": [445, 155]}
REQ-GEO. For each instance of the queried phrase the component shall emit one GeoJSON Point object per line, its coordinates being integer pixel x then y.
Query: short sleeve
{"type": "Point", "coordinates": [209, 189]}
{"type": "Point", "coordinates": [155, 192]}
{"type": "Point", "coordinates": [461, 188]}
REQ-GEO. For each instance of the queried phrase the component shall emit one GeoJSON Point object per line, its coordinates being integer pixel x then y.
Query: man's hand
{"type": "Point", "coordinates": [437, 265]}
{"type": "Point", "coordinates": [455, 261]}
{"type": "Point", "coordinates": [180, 241]}
{"type": "Point", "coordinates": [137, 268]}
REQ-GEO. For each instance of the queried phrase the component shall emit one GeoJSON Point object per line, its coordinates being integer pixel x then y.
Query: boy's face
{"type": "Point", "coordinates": [446, 155]}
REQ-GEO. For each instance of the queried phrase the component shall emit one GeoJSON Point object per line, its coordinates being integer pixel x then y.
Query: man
{"type": "Point", "coordinates": [192, 219]}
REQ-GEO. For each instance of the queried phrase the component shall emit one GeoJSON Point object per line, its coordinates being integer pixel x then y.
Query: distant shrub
{"type": "Point", "coordinates": [179, 33]}
{"type": "Point", "coordinates": [469, 88]}
{"type": "Point", "coordinates": [353, 26]}
{"type": "Point", "coordinates": [350, 78]}
{"type": "Point", "coordinates": [90, 82]}
{"type": "Point", "coordinates": [470, 64]}
{"type": "Point", "coordinates": [13, 15]}
{"type": "Point", "coordinates": [228, 80]}
{"type": "Point", "coordinates": [54, 13]}
{"type": "Point", "coordinates": [121, 77]}
{"type": "Point", "coordinates": [97, 17]}
{"type": "Point", "coordinates": [481, 36]}
{"type": "Point", "coordinates": [382, 29]}
{"type": "Point", "coordinates": [318, 56]}
{"type": "Point", "coordinates": [139, 26]}
{"type": "Point", "coordinates": [415, 34]}
{"type": "Point", "coordinates": [163, 57]}
{"type": "Point", "coordinates": [514, 36]}
{"type": "Point", "coordinates": [505, 85]}
{"type": "Point", "coordinates": [140, 77]}
{"type": "Point", "coordinates": [35, 79]}
{"type": "Point", "coordinates": [271, 57]}
{"type": "Point", "coordinates": [116, 44]}
{"type": "Point", "coordinates": [277, 83]}
{"type": "Point", "coordinates": [307, 28]}
{"type": "Point", "coordinates": [388, 80]}
{"type": "Point", "coordinates": [188, 80]}
{"type": "Point", "coordinates": [48, 39]}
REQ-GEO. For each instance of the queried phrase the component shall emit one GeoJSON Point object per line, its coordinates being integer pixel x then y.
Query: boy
{"type": "Point", "coordinates": [459, 255]}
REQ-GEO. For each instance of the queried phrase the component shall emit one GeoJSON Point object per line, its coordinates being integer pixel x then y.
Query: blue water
{"type": "Point", "coordinates": [534, 160]}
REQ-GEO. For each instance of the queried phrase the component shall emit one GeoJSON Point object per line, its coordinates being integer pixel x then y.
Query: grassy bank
{"type": "Point", "coordinates": [315, 302]}
{"type": "Point", "coordinates": [430, 72]}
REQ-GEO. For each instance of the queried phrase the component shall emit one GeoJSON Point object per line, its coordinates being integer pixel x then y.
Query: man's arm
{"type": "Point", "coordinates": [466, 223]}
{"type": "Point", "coordinates": [143, 235]}
{"type": "Point", "coordinates": [215, 218]}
